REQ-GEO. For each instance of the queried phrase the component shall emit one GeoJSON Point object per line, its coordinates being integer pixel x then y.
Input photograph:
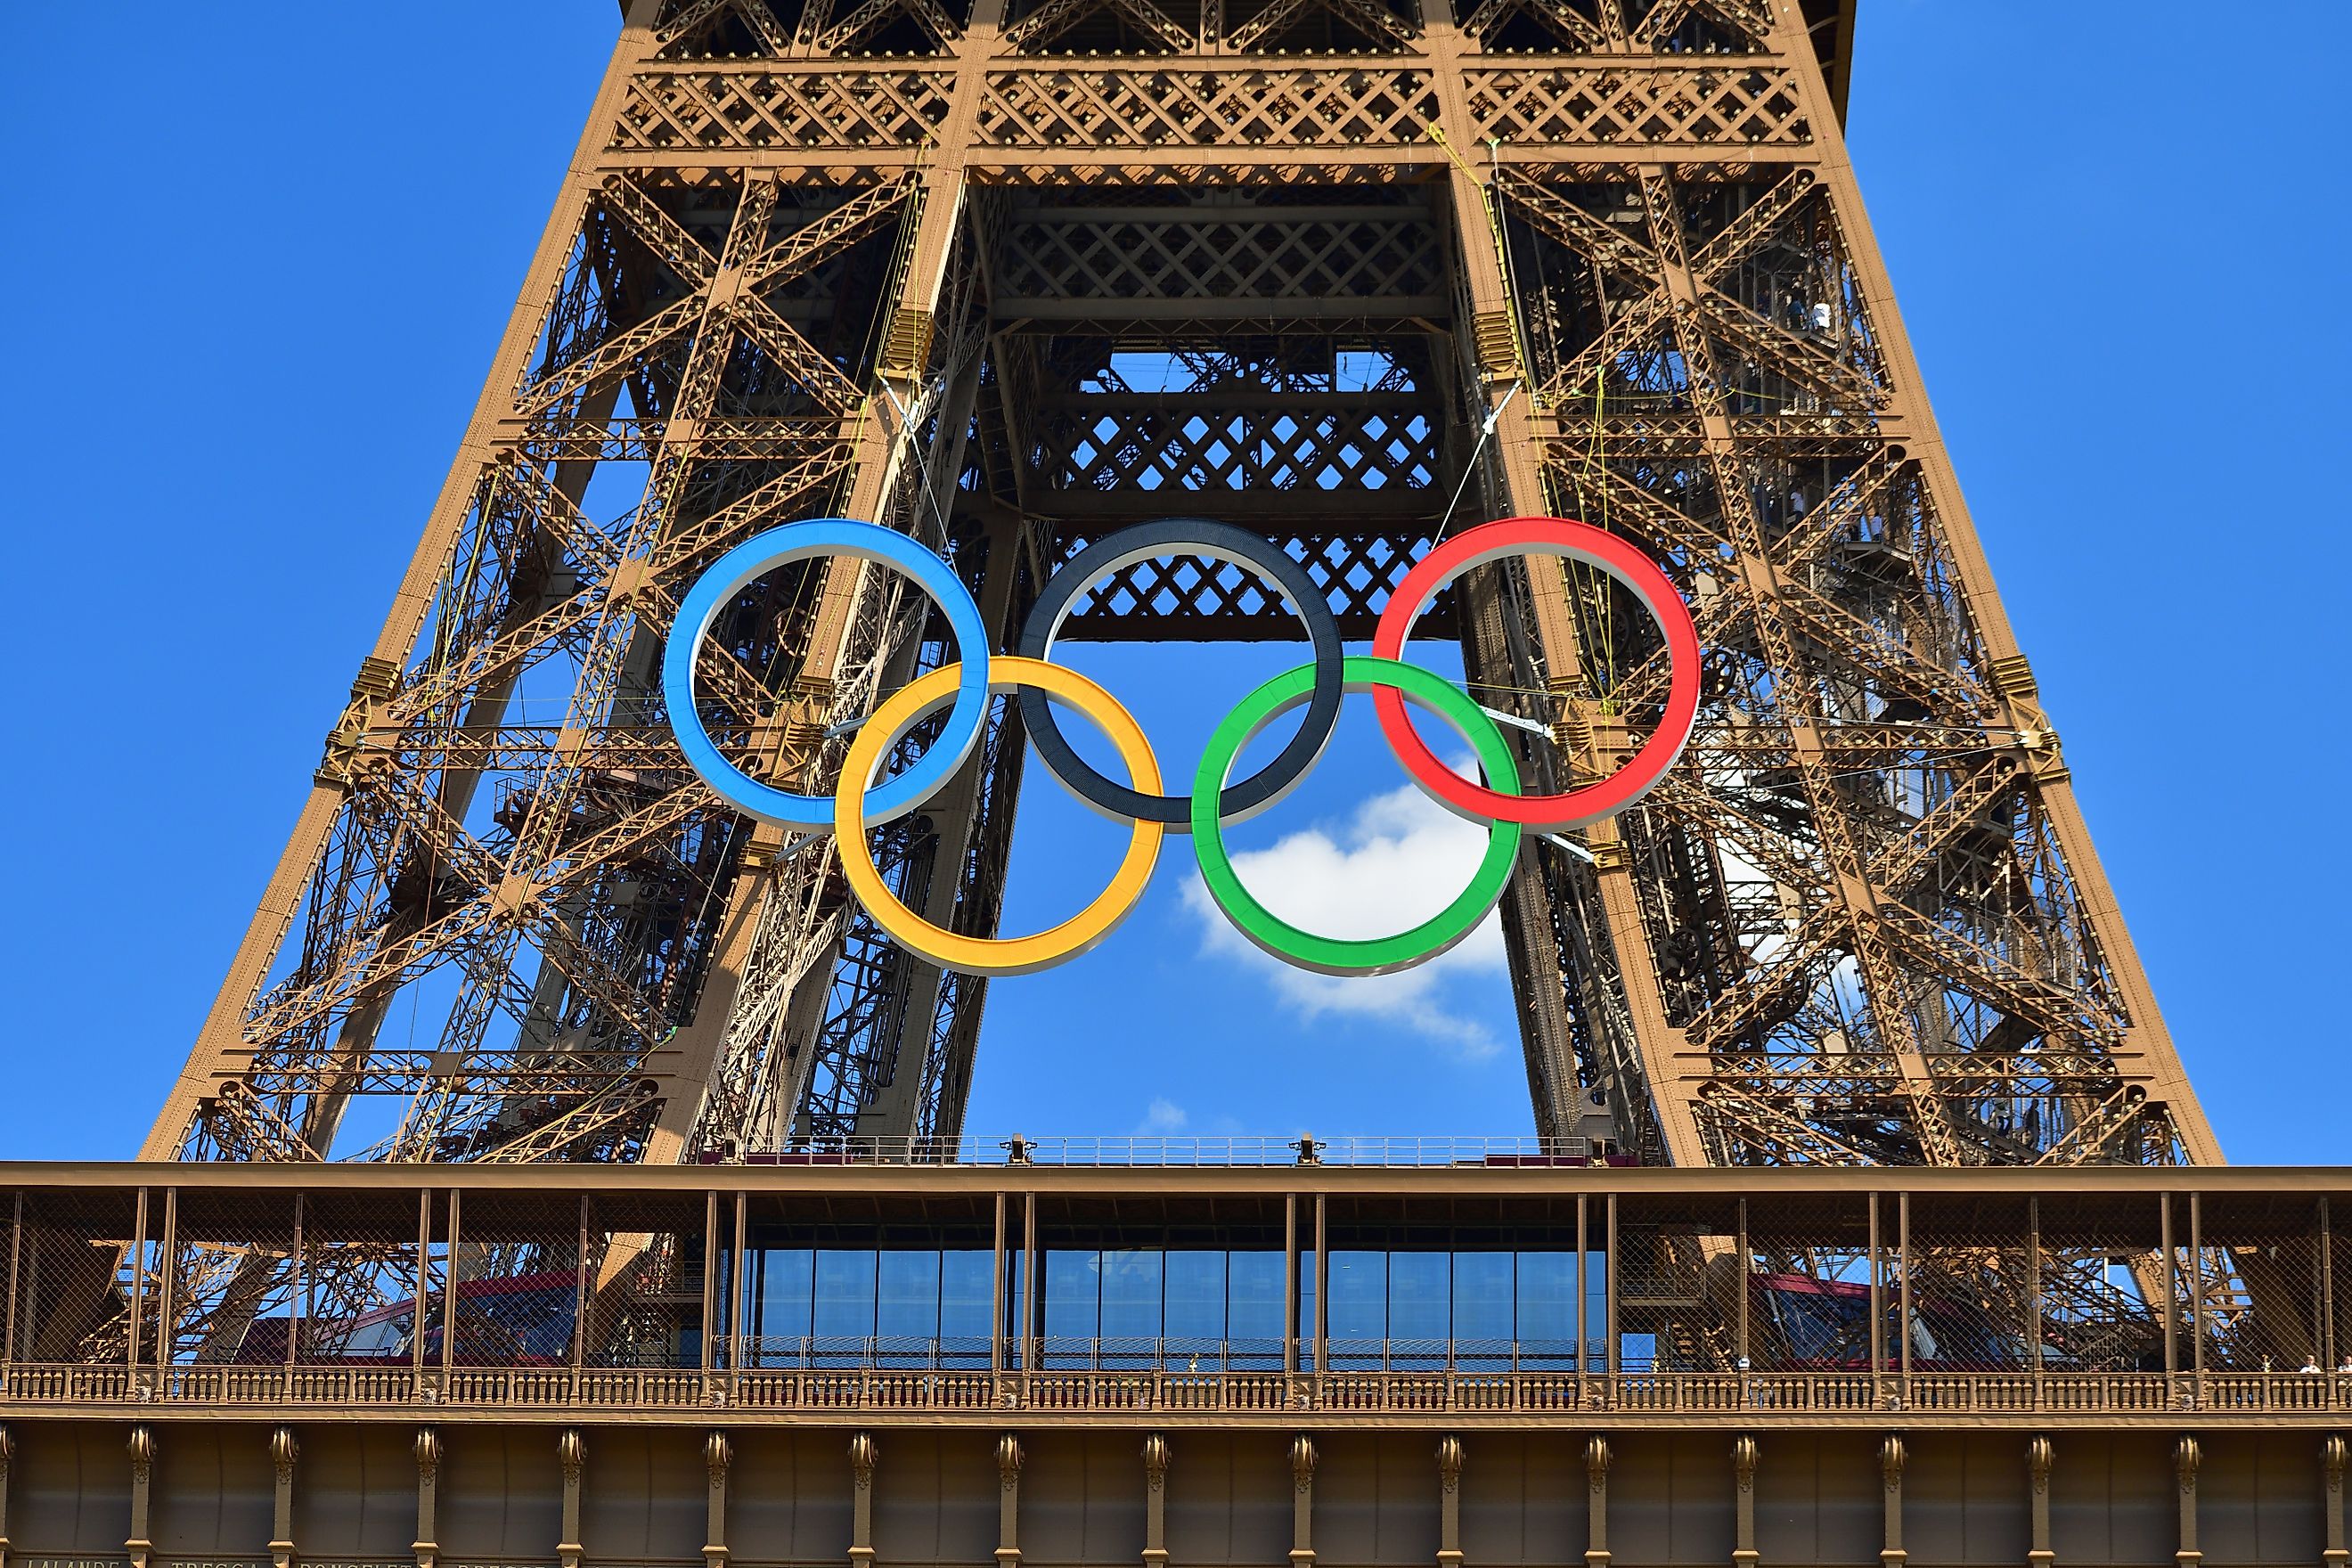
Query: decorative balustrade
{"type": "Point", "coordinates": [1517, 1280]}
{"type": "Point", "coordinates": [821, 1392]}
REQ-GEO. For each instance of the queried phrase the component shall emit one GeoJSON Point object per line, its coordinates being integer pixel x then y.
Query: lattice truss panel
{"type": "Point", "coordinates": [1867, 939]}
{"type": "Point", "coordinates": [508, 919]}
{"type": "Point", "coordinates": [1008, 277]}
{"type": "Point", "coordinates": [1147, 355]}
{"type": "Point", "coordinates": [1252, 355]}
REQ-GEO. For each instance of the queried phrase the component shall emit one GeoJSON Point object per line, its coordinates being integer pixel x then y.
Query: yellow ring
{"type": "Point", "coordinates": [994, 955]}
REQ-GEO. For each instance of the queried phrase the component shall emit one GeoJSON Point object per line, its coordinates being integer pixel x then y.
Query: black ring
{"type": "Point", "coordinates": [1219, 541]}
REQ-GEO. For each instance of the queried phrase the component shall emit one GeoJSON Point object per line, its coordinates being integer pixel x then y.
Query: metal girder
{"type": "Point", "coordinates": [1003, 292]}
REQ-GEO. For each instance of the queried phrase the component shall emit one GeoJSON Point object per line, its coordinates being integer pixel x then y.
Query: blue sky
{"type": "Point", "coordinates": [259, 266]}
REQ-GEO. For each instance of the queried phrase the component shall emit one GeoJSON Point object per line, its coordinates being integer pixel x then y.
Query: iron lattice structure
{"type": "Point", "coordinates": [1006, 273]}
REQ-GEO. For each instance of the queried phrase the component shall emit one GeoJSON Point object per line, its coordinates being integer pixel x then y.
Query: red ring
{"type": "Point", "coordinates": [1576, 541]}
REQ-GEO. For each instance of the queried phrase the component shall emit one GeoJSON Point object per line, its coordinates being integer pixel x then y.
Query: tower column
{"type": "Point", "coordinates": [1890, 1457]}
{"type": "Point", "coordinates": [283, 1451]}
{"type": "Point", "coordinates": [1008, 1501]}
{"type": "Point", "coordinates": [1449, 1502]}
{"type": "Point", "coordinates": [1596, 1501]}
{"type": "Point", "coordinates": [7, 1452]}
{"type": "Point", "coordinates": [2039, 1457]}
{"type": "Point", "coordinates": [2332, 1456]}
{"type": "Point", "coordinates": [1302, 1501]}
{"type": "Point", "coordinates": [429, 1481]}
{"type": "Point", "coordinates": [490, 431]}
{"type": "Point", "coordinates": [1155, 1501]}
{"type": "Point", "coordinates": [863, 1456]}
{"type": "Point", "coordinates": [718, 1457]}
{"type": "Point", "coordinates": [572, 1452]}
{"type": "Point", "coordinates": [1743, 1477]}
{"type": "Point", "coordinates": [143, 1475]}
{"type": "Point", "coordinates": [2186, 1458]}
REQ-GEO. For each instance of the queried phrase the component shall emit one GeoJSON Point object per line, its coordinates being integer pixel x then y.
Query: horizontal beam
{"type": "Point", "coordinates": [2297, 1183]}
{"type": "Point", "coordinates": [1611, 66]}
{"type": "Point", "coordinates": [1196, 163]}
{"type": "Point", "coordinates": [1299, 507]}
{"type": "Point", "coordinates": [1209, 405]}
{"type": "Point", "coordinates": [1110, 310]}
{"type": "Point", "coordinates": [1146, 626]}
{"type": "Point", "coordinates": [1083, 216]}
{"type": "Point", "coordinates": [1274, 1402]}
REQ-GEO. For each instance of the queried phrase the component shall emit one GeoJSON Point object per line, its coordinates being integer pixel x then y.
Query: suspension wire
{"type": "Point", "coordinates": [1510, 313]}
{"type": "Point", "coordinates": [1485, 434]}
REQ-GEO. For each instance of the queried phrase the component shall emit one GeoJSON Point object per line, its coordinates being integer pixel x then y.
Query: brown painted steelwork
{"type": "Point", "coordinates": [1391, 265]}
{"type": "Point", "coordinates": [635, 1443]}
{"type": "Point", "coordinates": [906, 1496]}
{"type": "Point", "coordinates": [2027, 1295]}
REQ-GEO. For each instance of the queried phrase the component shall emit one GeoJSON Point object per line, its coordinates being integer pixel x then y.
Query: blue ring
{"type": "Point", "coordinates": [764, 553]}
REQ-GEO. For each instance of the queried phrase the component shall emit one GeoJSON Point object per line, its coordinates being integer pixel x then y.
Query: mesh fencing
{"type": "Point", "coordinates": [2102, 1288]}
{"type": "Point", "coordinates": [70, 1284]}
{"type": "Point", "coordinates": [1672, 1278]}
{"type": "Point", "coordinates": [646, 1278]}
{"type": "Point", "coordinates": [1808, 1288]}
{"type": "Point", "coordinates": [478, 1288]}
{"type": "Point", "coordinates": [237, 1283]}
{"type": "Point", "coordinates": [2258, 1285]}
{"type": "Point", "coordinates": [1963, 1288]}
{"type": "Point", "coordinates": [514, 1280]}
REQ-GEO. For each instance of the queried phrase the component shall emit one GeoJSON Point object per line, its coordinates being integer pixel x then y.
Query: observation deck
{"type": "Point", "coordinates": [1357, 1352]}
{"type": "Point", "coordinates": [1380, 1282]}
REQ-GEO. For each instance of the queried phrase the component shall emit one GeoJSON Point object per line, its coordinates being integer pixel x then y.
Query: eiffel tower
{"type": "Point", "coordinates": [661, 1239]}
{"type": "Point", "coordinates": [1012, 274]}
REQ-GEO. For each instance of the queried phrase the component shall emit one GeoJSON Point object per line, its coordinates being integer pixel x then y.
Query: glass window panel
{"type": "Point", "coordinates": [1195, 1323]}
{"type": "Point", "coordinates": [1072, 1306]}
{"type": "Point", "coordinates": [965, 1280]}
{"type": "Point", "coordinates": [844, 1316]}
{"type": "Point", "coordinates": [1305, 1320]}
{"type": "Point", "coordinates": [783, 1279]}
{"type": "Point", "coordinates": [1357, 1317]}
{"type": "Point", "coordinates": [1254, 1297]}
{"type": "Point", "coordinates": [1420, 1292]}
{"type": "Point", "coordinates": [1481, 1307]}
{"type": "Point", "coordinates": [726, 1289]}
{"type": "Point", "coordinates": [1596, 1310]}
{"type": "Point", "coordinates": [1131, 1305]}
{"type": "Point", "coordinates": [1546, 1311]}
{"type": "Point", "coordinates": [907, 1318]}
{"type": "Point", "coordinates": [1019, 1316]}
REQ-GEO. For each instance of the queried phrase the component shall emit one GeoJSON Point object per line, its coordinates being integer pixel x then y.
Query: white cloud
{"type": "Point", "coordinates": [1397, 861]}
{"type": "Point", "coordinates": [1161, 1117]}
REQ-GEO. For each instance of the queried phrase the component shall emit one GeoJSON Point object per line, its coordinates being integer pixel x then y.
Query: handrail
{"type": "Point", "coordinates": [1122, 1150]}
{"type": "Point", "coordinates": [359, 1389]}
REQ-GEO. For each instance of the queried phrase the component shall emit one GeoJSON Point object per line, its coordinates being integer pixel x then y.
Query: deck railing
{"type": "Point", "coordinates": [1119, 1151]}
{"type": "Point", "coordinates": [2098, 1292]}
{"type": "Point", "coordinates": [816, 1391]}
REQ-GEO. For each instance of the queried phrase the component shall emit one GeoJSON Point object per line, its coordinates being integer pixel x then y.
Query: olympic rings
{"type": "Point", "coordinates": [1573, 542]}
{"type": "Point", "coordinates": [1218, 542]}
{"type": "Point", "coordinates": [994, 955]}
{"type": "Point", "coordinates": [762, 553]}
{"type": "Point", "coordinates": [857, 802]}
{"type": "Point", "coordinates": [1336, 956]}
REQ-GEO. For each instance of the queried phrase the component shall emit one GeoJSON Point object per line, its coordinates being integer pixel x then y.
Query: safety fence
{"type": "Point", "coordinates": [1521, 1288]}
{"type": "Point", "coordinates": [1113, 1150]}
{"type": "Point", "coordinates": [521, 1391]}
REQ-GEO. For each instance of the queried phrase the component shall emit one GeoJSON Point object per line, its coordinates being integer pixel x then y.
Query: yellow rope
{"type": "Point", "coordinates": [1593, 474]}
{"type": "Point", "coordinates": [1502, 258]}
{"type": "Point", "coordinates": [1596, 477]}
{"type": "Point", "coordinates": [902, 260]}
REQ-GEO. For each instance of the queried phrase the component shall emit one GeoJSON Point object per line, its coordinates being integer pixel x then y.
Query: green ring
{"type": "Point", "coordinates": [1375, 955]}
